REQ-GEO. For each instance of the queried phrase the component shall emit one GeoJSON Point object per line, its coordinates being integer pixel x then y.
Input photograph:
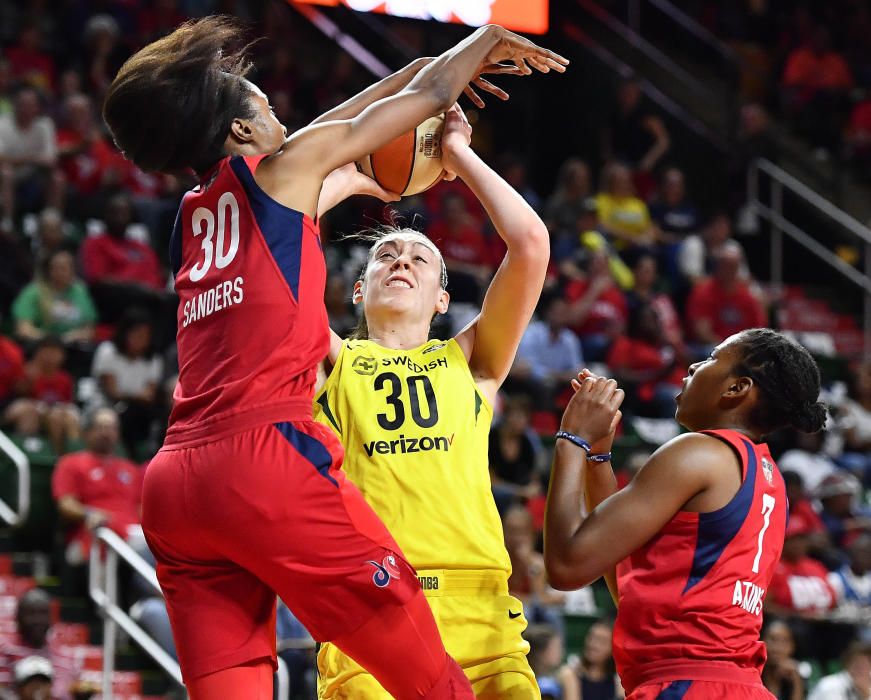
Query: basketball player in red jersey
{"type": "Point", "coordinates": [246, 499]}
{"type": "Point", "coordinates": [695, 537]}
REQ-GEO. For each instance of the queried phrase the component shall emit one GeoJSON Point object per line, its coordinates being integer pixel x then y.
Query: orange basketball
{"type": "Point", "coordinates": [410, 163]}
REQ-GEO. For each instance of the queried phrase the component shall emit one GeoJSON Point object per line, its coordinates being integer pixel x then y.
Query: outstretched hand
{"type": "Point", "coordinates": [346, 181]}
{"type": "Point", "coordinates": [456, 139]}
{"type": "Point", "coordinates": [593, 413]}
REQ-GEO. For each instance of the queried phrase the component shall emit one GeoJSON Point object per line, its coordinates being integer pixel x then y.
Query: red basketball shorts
{"type": "Point", "coordinates": [267, 511]}
{"type": "Point", "coordinates": [699, 690]}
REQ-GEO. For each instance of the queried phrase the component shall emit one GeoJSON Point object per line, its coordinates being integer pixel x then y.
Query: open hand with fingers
{"type": "Point", "coordinates": [593, 413]}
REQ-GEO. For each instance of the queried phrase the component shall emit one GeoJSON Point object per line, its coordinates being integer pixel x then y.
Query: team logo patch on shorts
{"type": "Point", "coordinates": [384, 571]}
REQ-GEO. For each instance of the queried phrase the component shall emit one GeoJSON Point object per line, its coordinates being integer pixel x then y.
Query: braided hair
{"type": "Point", "coordinates": [788, 379]}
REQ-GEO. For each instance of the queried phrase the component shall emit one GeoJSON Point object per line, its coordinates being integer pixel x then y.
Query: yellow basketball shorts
{"type": "Point", "coordinates": [481, 626]}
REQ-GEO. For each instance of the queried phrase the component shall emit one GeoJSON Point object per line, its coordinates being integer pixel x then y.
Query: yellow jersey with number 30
{"type": "Point", "coordinates": [415, 430]}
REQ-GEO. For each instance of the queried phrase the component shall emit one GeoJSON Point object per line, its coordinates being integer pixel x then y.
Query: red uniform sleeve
{"type": "Point", "coordinates": [64, 480]}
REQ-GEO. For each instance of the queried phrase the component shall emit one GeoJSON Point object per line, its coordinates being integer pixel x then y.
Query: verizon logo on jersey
{"type": "Point", "coordinates": [407, 445]}
{"type": "Point", "coordinates": [748, 596]}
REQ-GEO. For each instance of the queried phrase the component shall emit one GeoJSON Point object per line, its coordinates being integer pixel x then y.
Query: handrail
{"type": "Point", "coordinates": [693, 27]}
{"type": "Point", "coordinates": [103, 587]}
{"type": "Point", "coordinates": [22, 465]}
{"type": "Point", "coordinates": [821, 203]}
{"type": "Point", "coordinates": [576, 33]}
{"type": "Point", "coordinates": [773, 213]}
{"type": "Point", "coordinates": [652, 52]}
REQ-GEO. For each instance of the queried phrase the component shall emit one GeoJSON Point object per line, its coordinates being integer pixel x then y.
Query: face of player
{"type": "Point", "coordinates": [701, 403]}
{"type": "Point", "coordinates": [262, 133]}
{"type": "Point", "coordinates": [402, 281]}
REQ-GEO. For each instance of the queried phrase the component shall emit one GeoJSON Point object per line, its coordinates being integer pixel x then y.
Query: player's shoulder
{"type": "Point", "coordinates": [702, 447]}
{"type": "Point", "coordinates": [691, 457]}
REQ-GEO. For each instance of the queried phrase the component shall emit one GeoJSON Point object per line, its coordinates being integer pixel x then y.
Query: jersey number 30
{"type": "Point", "coordinates": [767, 510]}
{"type": "Point", "coordinates": [214, 247]}
{"type": "Point", "coordinates": [416, 383]}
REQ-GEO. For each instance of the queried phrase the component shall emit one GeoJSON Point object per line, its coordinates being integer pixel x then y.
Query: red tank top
{"type": "Point", "coordinates": [691, 598]}
{"type": "Point", "coordinates": [252, 325]}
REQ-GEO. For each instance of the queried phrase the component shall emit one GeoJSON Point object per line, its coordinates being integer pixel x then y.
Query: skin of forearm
{"type": "Point", "coordinates": [383, 88]}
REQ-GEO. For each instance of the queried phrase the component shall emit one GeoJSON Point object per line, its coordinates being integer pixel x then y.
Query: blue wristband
{"type": "Point", "coordinates": [574, 439]}
{"type": "Point", "coordinates": [600, 459]}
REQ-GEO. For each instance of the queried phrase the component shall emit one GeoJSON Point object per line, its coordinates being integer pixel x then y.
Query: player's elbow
{"type": "Point", "coordinates": [561, 575]}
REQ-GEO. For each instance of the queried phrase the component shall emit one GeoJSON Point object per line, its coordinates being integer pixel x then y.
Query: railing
{"type": "Point", "coordinates": [103, 584]}
{"type": "Point", "coordinates": [781, 180]}
{"type": "Point", "coordinates": [16, 516]}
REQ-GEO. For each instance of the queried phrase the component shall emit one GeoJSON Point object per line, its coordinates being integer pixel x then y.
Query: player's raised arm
{"type": "Point", "coordinates": [578, 551]}
{"type": "Point", "coordinates": [293, 177]}
{"type": "Point", "coordinates": [490, 341]}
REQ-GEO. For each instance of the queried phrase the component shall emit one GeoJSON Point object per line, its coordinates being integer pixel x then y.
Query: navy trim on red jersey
{"type": "Point", "coordinates": [718, 528]}
{"type": "Point", "coordinates": [175, 251]}
{"type": "Point", "coordinates": [309, 447]}
{"type": "Point", "coordinates": [281, 226]}
{"type": "Point", "coordinates": [675, 691]}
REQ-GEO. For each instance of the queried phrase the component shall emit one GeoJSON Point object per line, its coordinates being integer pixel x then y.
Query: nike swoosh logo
{"type": "Point", "coordinates": [514, 615]}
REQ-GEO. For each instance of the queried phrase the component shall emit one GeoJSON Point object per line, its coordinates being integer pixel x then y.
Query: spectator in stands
{"type": "Point", "coordinates": [781, 671]}
{"type": "Point", "coordinates": [33, 625]}
{"type": "Point", "coordinates": [513, 170]}
{"type": "Point", "coordinates": [549, 355]}
{"type": "Point", "coordinates": [674, 214]}
{"type": "Point", "coordinates": [28, 155]}
{"type": "Point", "coordinates": [47, 397]}
{"type": "Point", "coordinates": [56, 303]}
{"type": "Point", "coordinates": [724, 304]}
{"type": "Point", "coordinates": [842, 513]}
{"type": "Point", "coordinates": [31, 63]}
{"type": "Point", "coordinates": [104, 53]}
{"type": "Point", "coordinates": [635, 135]}
{"type": "Point", "coordinates": [33, 678]}
{"type": "Point", "coordinates": [649, 367]}
{"type": "Point", "coordinates": [597, 308]}
{"type": "Point", "coordinates": [755, 139]}
{"type": "Point", "coordinates": [11, 371]}
{"type": "Point", "coordinates": [806, 458]}
{"type": "Point", "coordinates": [458, 235]}
{"type": "Point", "coordinates": [514, 454]}
{"type": "Point", "coordinates": [858, 138]}
{"type": "Point", "coordinates": [118, 268]}
{"type": "Point", "coordinates": [645, 291]}
{"type": "Point", "coordinates": [855, 420]}
{"type": "Point", "coordinates": [129, 371]}
{"type": "Point", "coordinates": [5, 87]}
{"type": "Point", "coordinates": [568, 202]}
{"type": "Point", "coordinates": [95, 487]}
{"type": "Point", "coordinates": [51, 233]}
{"type": "Point", "coordinates": [556, 681]}
{"type": "Point", "coordinates": [816, 83]}
{"type": "Point", "coordinates": [854, 682]}
{"type": "Point", "coordinates": [852, 583]}
{"type": "Point", "coordinates": [16, 268]}
{"type": "Point", "coordinates": [622, 215]}
{"type": "Point", "coordinates": [698, 253]}
{"type": "Point", "coordinates": [89, 163]}
{"type": "Point", "coordinates": [800, 585]}
{"type": "Point", "coordinates": [819, 543]}
{"type": "Point", "coordinates": [528, 581]}
{"type": "Point", "coordinates": [595, 668]}
{"type": "Point", "coordinates": [339, 308]}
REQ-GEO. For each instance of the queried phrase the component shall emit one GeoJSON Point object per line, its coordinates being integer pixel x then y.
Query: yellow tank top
{"type": "Point", "coordinates": [415, 430]}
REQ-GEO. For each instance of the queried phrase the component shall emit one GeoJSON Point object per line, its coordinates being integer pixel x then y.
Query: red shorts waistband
{"type": "Point", "coordinates": [665, 671]}
{"type": "Point", "coordinates": [224, 424]}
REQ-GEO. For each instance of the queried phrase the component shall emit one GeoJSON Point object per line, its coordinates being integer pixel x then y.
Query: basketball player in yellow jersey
{"type": "Point", "coordinates": [414, 416]}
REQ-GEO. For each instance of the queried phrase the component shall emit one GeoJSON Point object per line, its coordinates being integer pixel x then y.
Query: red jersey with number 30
{"type": "Point", "coordinates": [252, 325]}
{"type": "Point", "coordinates": [691, 598]}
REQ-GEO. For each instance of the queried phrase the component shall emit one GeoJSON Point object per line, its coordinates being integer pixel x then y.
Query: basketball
{"type": "Point", "coordinates": [411, 163]}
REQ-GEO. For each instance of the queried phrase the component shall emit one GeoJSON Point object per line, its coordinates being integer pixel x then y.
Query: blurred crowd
{"type": "Point", "coordinates": [642, 283]}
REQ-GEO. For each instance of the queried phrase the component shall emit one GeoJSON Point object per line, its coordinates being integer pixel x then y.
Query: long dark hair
{"type": "Point", "coordinates": [172, 103]}
{"type": "Point", "coordinates": [129, 320]}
